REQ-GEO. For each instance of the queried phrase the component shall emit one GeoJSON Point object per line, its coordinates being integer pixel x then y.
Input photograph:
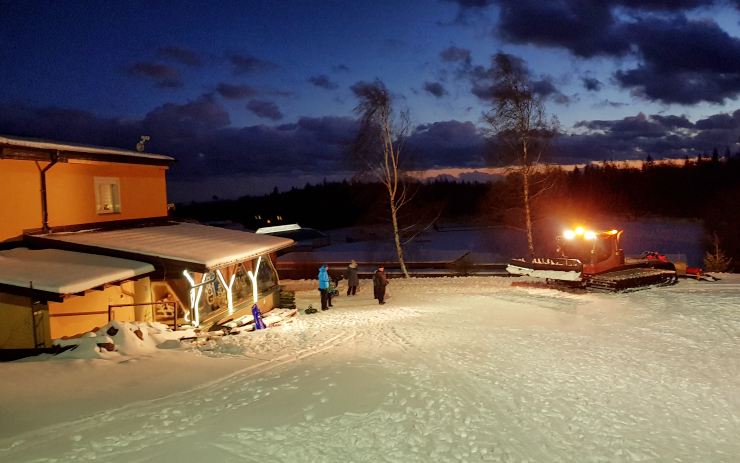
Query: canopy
{"type": "Point", "coordinates": [64, 272]}
{"type": "Point", "coordinates": [201, 246]}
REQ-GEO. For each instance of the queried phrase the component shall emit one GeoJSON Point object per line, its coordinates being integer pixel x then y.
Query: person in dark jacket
{"type": "Point", "coordinates": [379, 284]}
{"type": "Point", "coordinates": [352, 279]}
{"type": "Point", "coordinates": [324, 287]}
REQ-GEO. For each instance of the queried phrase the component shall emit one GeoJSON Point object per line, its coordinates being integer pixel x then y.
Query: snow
{"type": "Point", "coordinates": [187, 242]}
{"type": "Point", "coordinates": [570, 275]}
{"type": "Point", "coordinates": [450, 369]}
{"type": "Point", "coordinates": [65, 272]}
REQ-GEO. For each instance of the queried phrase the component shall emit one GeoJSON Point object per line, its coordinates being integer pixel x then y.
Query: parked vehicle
{"type": "Point", "coordinates": [590, 259]}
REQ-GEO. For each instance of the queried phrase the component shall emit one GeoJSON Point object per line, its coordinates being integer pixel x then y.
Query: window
{"type": "Point", "coordinates": [266, 276]}
{"type": "Point", "coordinates": [107, 195]}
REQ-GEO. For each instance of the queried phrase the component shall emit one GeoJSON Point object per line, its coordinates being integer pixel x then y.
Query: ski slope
{"type": "Point", "coordinates": [450, 369]}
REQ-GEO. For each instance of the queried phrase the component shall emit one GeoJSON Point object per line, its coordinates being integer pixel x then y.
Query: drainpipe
{"type": "Point", "coordinates": [44, 207]}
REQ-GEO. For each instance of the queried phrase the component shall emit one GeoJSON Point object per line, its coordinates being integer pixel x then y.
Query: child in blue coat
{"type": "Point", "coordinates": [324, 287]}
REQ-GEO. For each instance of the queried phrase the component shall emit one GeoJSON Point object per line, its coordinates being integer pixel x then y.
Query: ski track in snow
{"type": "Point", "coordinates": [466, 369]}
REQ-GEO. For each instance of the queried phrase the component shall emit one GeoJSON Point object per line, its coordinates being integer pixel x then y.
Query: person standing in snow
{"type": "Point", "coordinates": [352, 279]}
{"type": "Point", "coordinates": [379, 284]}
{"type": "Point", "coordinates": [324, 287]}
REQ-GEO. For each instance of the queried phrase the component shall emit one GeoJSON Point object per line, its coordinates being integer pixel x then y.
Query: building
{"type": "Point", "coordinates": [86, 238]}
{"type": "Point", "coordinates": [306, 239]}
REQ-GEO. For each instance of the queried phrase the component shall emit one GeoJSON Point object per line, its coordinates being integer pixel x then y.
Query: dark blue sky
{"type": "Point", "coordinates": [255, 94]}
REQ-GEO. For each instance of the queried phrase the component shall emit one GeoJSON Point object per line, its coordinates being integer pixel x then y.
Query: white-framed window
{"type": "Point", "coordinates": [107, 195]}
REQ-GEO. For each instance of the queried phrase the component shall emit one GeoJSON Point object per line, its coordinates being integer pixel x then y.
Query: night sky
{"type": "Point", "coordinates": [250, 95]}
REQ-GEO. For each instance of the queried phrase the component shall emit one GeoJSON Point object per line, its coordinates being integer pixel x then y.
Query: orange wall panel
{"type": "Point", "coordinates": [20, 197]}
{"type": "Point", "coordinates": [71, 192]}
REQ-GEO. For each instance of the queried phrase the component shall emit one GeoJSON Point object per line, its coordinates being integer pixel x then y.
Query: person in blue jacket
{"type": "Point", "coordinates": [324, 287]}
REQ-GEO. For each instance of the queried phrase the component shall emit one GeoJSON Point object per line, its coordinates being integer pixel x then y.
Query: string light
{"type": "Point", "coordinates": [229, 294]}
{"type": "Point", "coordinates": [195, 296]}
{"type": "Point", "coordinates": [253, 278]}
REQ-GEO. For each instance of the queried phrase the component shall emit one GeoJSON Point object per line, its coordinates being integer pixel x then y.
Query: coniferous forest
{"type": "Point", "coordinates": [706, 188]}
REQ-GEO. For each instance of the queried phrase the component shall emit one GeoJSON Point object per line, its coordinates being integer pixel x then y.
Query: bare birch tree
{"type": "Point", "coordinates": [378, 150]}
{"type": "Point", "coordinates": [519, 123]}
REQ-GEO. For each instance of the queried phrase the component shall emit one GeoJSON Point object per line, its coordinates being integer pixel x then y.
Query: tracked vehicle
{"type": "Point", "coordinates": [589, 259]}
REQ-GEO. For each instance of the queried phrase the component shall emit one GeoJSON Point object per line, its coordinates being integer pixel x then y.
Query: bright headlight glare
{"type": "Point", "coordinates": [569, 234]}
{"type": "Point", "coordinates": [589, 235]}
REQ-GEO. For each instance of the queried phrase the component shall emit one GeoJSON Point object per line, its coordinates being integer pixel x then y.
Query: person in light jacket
{"type": "Point", "coordinates": [379, 284]}
{"type": "Point", "coordinates": [324, 287]}
{"type": "Point", "coordinates": [353, 281]}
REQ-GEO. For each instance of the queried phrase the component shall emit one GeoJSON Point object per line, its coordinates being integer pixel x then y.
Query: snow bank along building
{"type": "Point", "coordinates": [85, 238]}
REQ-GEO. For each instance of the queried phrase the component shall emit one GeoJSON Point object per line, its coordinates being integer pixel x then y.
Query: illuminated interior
{"type": "Point", "coordinates": [229, 289]}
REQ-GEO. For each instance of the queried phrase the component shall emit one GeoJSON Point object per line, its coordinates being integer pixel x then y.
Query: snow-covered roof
{"type": "Point", "coordinates": [185, 242]}
{"type": "Point", "coordinates": [279, 228]}
{"type": "Point", "coordinates": [65, 272]}
{"type": "Point", "coordinates": [72, 148]}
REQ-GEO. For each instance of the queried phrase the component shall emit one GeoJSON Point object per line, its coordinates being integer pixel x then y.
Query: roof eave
{"type": "Point", "coordinates": [65, 153]}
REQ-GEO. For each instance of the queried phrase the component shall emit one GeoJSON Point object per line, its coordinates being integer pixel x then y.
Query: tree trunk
{"type": "Point", "coordinates": [527, 212]}
{"type": "Point", "coordinates": [525, 197]}
{"type": "Point", "coordinates": [397, 239]}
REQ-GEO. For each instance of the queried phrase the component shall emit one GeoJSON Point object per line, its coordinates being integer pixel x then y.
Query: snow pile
{"type": "Point", "coordinates": [121, 338]}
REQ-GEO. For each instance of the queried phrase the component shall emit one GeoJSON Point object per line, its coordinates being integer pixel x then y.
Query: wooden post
{"type": "Point", "coordinates": [33, 316]}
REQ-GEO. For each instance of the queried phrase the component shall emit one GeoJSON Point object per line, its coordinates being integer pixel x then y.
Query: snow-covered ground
{"type": "Point", "coordinates": [451, 369]}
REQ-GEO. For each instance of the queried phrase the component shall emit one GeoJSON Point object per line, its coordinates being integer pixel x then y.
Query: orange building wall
{"type": "Point", "coordinates": [16, 323]}
{"type": "Point", "coordinates": [80, 314]}
{"type": "Point", "coordinates": [20, 197]}
{"type": "Point", "coordinates": [71, 194]}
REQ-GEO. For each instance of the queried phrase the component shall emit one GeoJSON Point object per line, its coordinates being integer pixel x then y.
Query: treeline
{"type": "Point", "coordinates": [706, 189]}
{"type": "Point", "coordinates": [342, 204]}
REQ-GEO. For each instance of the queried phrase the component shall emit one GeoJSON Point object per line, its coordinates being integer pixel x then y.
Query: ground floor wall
{"type": "Point", "coordinates": [140, 300]}
{"type": "Point", "coordinates": [81, 314]}
{"type": "Point", "coordinates": [23, 326]}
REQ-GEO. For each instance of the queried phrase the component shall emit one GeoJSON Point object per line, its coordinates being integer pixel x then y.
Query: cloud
{"type": "Point", "coordinates": [679, 60]}
{"type": "Point", "coordinates": [435, 89]}
{"type": "Point", "coordinates": [181, 55]}
{"type": "Point", "coordinates": [163, 75]}
{"type": "Point", "coordinates": [673, 122]}
{"type": "Point", "coordinates": [629, 127]}
{"type": "Point", "coordinates": [721, 121]}
{"type": "Point", "coordinates": [663, 5]}
{"type": "Point", "coordinates": [591, 84]}
{"type": "Point", "coordinates": [340, 68]}
{"type": "Point", "coordinates": [456, 55]}
{"type": "Point", "coordinates": [610, 104]}
{"type": "Point", "coordinates": [545, 88]}
{"type": "Point", "coordinates": [174, 121]}
{"type": "Point", "coordinates": [473, 3]}
{"type": "Point", "coordinates": [676, 70]}
{"type": "Point", "coordinates": [265, 109]}
{"type": "Point", "coordinates": [244, 64]}
{"type": "Point", "coordinates": [199, 134]}
{"type": "Point", "coordinates": [659, 136]}
{"type": "Point", "coordinates": [323, 81]}
{"type": "Point", "coordinates": [68, 125]}
{"type": "Point", "coordinates": [446, 144]}
{"type": "Point", "coordinates": [586, 29]}
{"type": "Point", "coordinates": [483, 79]}
{"type": "Point", "coordinates": [235, 92]}
{"type": "Point", "coordinates": [362, 88]}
